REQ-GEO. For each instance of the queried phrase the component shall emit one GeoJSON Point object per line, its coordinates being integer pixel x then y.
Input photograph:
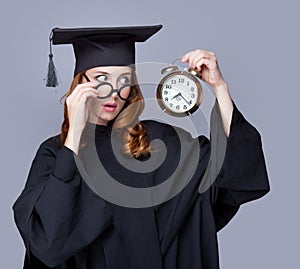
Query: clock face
{"type": "Point", "coordinates": [178, 93]}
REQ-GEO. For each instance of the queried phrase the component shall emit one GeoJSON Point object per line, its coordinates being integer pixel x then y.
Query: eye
{"type": "Point", "coordinates": [101, 78]}
{"type": "Point", "coordinates": [125, 80]}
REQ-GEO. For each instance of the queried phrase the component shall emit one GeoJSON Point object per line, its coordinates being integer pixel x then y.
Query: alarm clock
{"type": "Point", "coordinates": [179, 93]}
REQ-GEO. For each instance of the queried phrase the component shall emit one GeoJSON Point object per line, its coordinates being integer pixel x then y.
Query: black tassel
{"type": "Point", "coordinates": [52, 80]}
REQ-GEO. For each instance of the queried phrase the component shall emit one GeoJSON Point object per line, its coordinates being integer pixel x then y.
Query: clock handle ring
{"type": "Point", "coordinates": [176, 59]}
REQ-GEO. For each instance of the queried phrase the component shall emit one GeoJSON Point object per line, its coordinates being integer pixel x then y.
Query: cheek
{"type": "Point", "coordinates": [121, 104]}
{"type": "Point", "coordinates": [127, 92]}
{"type": "Point", "coordinates": [95, 103]}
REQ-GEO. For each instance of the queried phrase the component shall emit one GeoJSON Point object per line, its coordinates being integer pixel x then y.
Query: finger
{"type": "Point", "coordinates": [212, 53]}
{"type": "Point", "coordinates": [84, 94]}
{"type": "Point", "coordinates": [195, 56]}
{"type": "Point", "coordinates": [195, 59]}
{"type": "Point", "coordinates": [210, 62]}
{"type": "Point", "coordinates": [189, 56]}
{"type": "Point", "coordinates": [80, 107]}
{"type": "Point", "coordinates": [80, 87]}
{"type": "Point", "coordinates": [84, 103]}
{"type": "Point", "coordinates": [81, 93]}
{"type": "Point", "coordinates": [186, 56]}
{"type": "Point", "coordinates": [207, 62]}
{"type": "Point", "coordinates": [194, 53]}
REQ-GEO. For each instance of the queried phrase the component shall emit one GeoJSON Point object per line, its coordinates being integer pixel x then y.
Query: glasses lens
{"type": "Point", "coordinates": [124, 92]}
{"type": "Point", "coordinates": [104, 90]}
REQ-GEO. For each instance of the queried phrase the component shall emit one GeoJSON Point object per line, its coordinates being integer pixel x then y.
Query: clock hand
{"type": "Point", "coordinates": [183, 98]}
{"type": "Point", "coordinates": [175, 96]}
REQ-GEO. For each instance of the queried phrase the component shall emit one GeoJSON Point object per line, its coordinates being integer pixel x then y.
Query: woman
{"type": "Point", "coordinates": [65, 224]}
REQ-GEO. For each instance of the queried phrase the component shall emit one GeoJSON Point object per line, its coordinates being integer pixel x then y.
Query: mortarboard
{"type": "Point", "coordinates": [105, 46]}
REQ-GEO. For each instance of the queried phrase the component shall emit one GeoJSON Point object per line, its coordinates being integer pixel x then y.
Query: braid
{"type": "Point", "coordinates": [138, 143]}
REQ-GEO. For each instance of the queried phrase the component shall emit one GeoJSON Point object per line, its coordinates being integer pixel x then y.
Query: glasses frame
{"type": "Point", "coordinates": [118, 91]}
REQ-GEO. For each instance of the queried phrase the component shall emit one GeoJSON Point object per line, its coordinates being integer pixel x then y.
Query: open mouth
{"type": "Point", "coordinates": [110, 107]}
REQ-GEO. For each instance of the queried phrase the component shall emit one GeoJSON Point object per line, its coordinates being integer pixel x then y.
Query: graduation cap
{"type": "Point", "coordinates": [105, 46]}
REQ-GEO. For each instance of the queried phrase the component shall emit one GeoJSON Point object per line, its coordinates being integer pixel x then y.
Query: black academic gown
{"type": "Point", "coordinates": [66, 225]}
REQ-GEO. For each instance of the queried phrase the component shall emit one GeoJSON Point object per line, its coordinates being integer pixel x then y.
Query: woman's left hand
{"type": "Point", "coordinates": [206, 63]}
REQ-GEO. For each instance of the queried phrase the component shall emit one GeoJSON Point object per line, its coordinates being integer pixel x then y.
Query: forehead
{"type": "Point", "coordinates": [111, 69]}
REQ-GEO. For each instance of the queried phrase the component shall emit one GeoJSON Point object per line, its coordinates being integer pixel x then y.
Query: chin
{"type": "Point", "coordinates": [107, 116]}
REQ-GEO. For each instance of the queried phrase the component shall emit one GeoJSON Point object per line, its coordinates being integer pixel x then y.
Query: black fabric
{"type": "Point", "coordinates": [64, 224]}
{"type": "Point", "coordinates": [103, 46]}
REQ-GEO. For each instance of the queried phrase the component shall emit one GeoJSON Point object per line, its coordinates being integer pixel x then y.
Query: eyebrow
{"type": "Point", "coordinates": [105, 73]}
{"type": "Point", "coordinates": [101, 72]}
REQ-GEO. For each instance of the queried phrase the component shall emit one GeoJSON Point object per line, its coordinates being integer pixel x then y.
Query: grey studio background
{"type": "Point", "coordinates": [257, 45]}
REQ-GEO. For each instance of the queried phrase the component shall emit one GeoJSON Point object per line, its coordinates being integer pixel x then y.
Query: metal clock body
{"type": "Point", "coordinates": [179, 93]}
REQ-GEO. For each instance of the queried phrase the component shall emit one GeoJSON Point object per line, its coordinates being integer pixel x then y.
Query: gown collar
{"type": "Point", "coordinates": [97, 129]}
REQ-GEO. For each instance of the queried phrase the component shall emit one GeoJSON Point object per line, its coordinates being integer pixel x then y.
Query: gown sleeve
{"type": "Point", "coordinates": [56, 214]}
{"type": "Point", "coordinates": [243, 174]}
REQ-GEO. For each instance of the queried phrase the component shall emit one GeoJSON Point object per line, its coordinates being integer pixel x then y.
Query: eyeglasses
{"type": "Point", "coordinates": [105, 90]}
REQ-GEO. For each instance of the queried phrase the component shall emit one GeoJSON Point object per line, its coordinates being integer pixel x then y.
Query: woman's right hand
{"type": "Point", "coordinates": [78, 112]}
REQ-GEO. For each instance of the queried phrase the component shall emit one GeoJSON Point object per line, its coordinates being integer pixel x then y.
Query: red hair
{"type": "Point", "coordinates": [132, 131]}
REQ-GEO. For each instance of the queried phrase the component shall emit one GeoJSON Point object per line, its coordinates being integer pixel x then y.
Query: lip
{"type": "Point", "coordinates": [110, 107]}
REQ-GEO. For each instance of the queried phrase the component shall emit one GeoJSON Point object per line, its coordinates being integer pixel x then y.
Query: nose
{"type": "Point", "coordinates": [115, 95]}
{"type": "Point", "coordinates": [115, 87]}
{"type": "Point", "coordinates": [114, 84]}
